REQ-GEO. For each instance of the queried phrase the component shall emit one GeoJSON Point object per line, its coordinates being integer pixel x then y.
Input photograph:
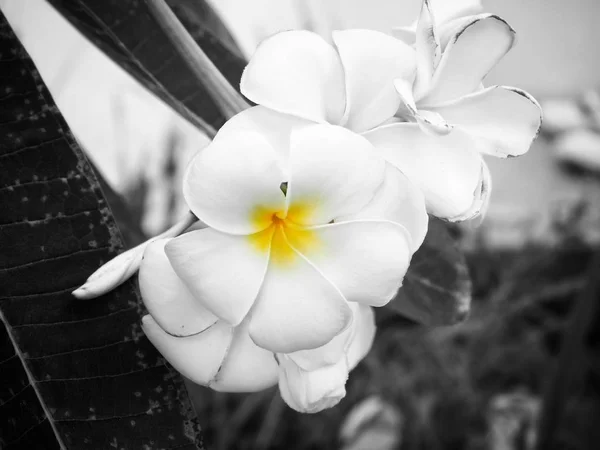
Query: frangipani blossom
{"type": "Point", "coordinates": [452, 120]}
{"type": "Point", "coordinates": [302, 219]}
{"type": "Point", "coordinates": [456, 119]}
{"type": "Point", "coordinates": [213, 353]}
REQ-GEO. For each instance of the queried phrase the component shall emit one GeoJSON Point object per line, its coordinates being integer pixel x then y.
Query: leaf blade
{"type": "Point", "coordinates": [126, 31]}
{"type": "Point", "coordinates": [74, 375]}
{"type": "Point", "coordinates": [437, 286]}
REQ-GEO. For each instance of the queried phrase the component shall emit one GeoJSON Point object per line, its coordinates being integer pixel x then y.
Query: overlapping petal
{"type": "Point", "coordinates": [447, 169]}
{"type": "Point", "coordinates": [232, 177]}
{"type": "Point", "coordinates": [329, 353]}
{"type": "Point", "coordinates": [313, 380]}
{"type": "Point", "coordinates": [364, 259]}
{"type": "Point", "coordinates": [469, 56]}
{"type": "Point", "coordinates": [223, 271]}
{"type": "Point", "coordinates": [222, 357]}
{"type": "Point", "coordinates": [273, 126]}
{"type": "Point", "coordinates": [333, 172]}
{"type": "Point", "coordinates": [371, 61]}
{"type": "Point", "coordinates": [504, 120]}
{"type": "Point", "coordinates": [247, 367]}
{"type": "Point", "coordinates": [429, 121]}
{"type": "Point", "coordinates": [298, 73]}
{"type": "Point", "coordinates": [481, 198]}
{"type": "Point", "coordinates": [353, 340]}
{"type": "Point", "coordinates": [444, 13]}
{"type": "Point", "coordinates": [198, 357]}
{"type": "Point", "coordinates": [297, 308]}
{"type": "Point", "coordinates": [353, 343]}
{"type": "Point", "coordinates": [397, 200]}
{"type": "Point", "coordinates": [363, 336]}
{"type": "Point", "coordinates": [165, 296]}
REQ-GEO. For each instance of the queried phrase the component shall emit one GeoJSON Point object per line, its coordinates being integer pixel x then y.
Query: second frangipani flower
{"type": "Point", "coordinates": [423, 108]}
{"type": "Point", "coordinates": [302, 219]}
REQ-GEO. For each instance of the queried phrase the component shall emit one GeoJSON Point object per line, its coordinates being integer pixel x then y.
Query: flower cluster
{"type": "Point", "coordinates": [313, 202]}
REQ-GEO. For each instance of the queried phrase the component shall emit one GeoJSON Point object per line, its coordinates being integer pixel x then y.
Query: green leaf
{"type": "Point", "coordinates": [128, 33]}
{"type": "Point", "coordinates": [75, 374]}
{"type": "Point", "coordinates": [437, 286]}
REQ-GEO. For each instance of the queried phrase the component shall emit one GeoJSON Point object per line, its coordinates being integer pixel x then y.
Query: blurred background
{"type": "Point", "coordinates": [478, 385]}
{"type": "Point", "coordinates": [120, 124]}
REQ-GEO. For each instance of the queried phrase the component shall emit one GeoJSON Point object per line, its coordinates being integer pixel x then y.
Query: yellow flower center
{"type": "Point", "coordinates": [282, 232]}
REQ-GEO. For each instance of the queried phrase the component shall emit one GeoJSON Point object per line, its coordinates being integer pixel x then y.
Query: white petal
{"type": "Point", "coordinates": [447, 169]}
{"type": "Point", "coordinates": [372, 60]}
{"type": "Point", "coordinates": [482, 199]}
{"type": "Point", "coordinates": [298, 73]}
{"type": "Point", "coordinates": [397, 200]}
{"type": "Point", "coordinates": [432, 122]}
{"type": "Point", "coordinates": [224, 272]}
{"type": "Point", "coordinates": [469, 56]}
{"type": "Point", "coordinates": [443, 12]}
{"type": "Point", "coordinates": [353, 343]}
{"type": "Point", "coordinates": [365, 260]}
{"type": "Point", "coordinates": [429, 121]}
{"type": "Point", "coordinates": [364, 334]}
{"type": "Point", "coordinates": [325, 355]}
{"type": "Point", "coordinates": [447, 31]}
{"type": "Point", "coordinates": [330, 353]}
{"type": "Point", "coordinates": [312, 391]}
{"type": "Point", "coordinates": [198, 357]}
{"type": "Point", "coordinates": [408, 106]}
{"type": "Point", "coordinates": [406, 34]}
{"type": "Point", "coordinates": [297, 308]}
{"type": "Point", "coordinates": [504, 120]}
{"type": "Point", "coordinates": [275, 127]}
{"type": "Point", "coordinates": [247, 367]}
{"type": "Point", "coordinates": [165, 296]}
{"type": "Point", "coordinates": [237, 175]}
{"type": "Point", "coordinates": [428, 49]}
{"type": "Point", "coordinates": [333, 172]}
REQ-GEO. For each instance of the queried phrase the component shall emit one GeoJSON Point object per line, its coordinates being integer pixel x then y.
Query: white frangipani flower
{"type": "Point", "coordinates": [444, 119]}
{"type": "Point", "coordinates": [213, 353]}
{"type": "Point", "coordinates": [456, 119]}
{"type": "Point", "coordinates": [302, 219]}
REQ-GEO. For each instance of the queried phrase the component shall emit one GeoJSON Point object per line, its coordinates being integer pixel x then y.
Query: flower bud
{"type": "Point", "coordinates": [309, 382]}
{"type": "Point", "coordinates": [312, 391]}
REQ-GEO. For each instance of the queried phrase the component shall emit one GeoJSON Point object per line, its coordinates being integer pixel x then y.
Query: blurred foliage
{"type": "Point", "coordinates": [436, 289]}
{"type": "Point", "coordinates": [447, 382]}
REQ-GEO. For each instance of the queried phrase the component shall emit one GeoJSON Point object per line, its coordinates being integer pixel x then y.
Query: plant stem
{"type": "Point", "coordinates": [229, 101]}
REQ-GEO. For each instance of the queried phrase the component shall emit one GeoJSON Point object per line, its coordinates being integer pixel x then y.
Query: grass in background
{"type": "Point", "coordinates": [477, 385]}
